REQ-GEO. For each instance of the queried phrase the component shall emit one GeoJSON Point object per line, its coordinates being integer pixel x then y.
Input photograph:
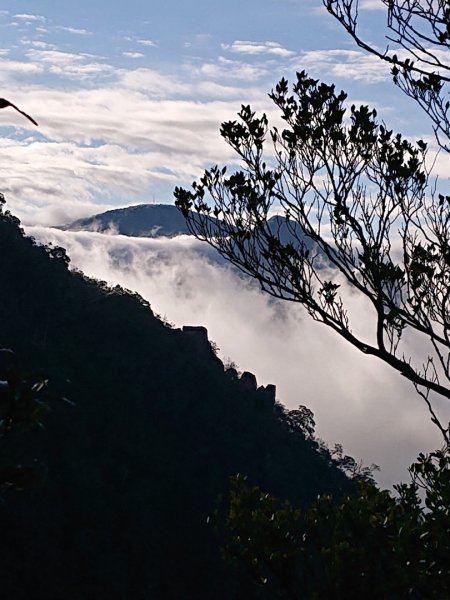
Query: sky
{"type": "Point", "coordinates": [129, 97]}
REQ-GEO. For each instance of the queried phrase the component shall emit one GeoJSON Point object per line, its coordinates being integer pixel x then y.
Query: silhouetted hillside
{"type": "Point", "coordinates": [131, 472]}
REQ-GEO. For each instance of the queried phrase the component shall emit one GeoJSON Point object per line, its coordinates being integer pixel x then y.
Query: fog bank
{"type": "Point", "coordinates": [356, 400]}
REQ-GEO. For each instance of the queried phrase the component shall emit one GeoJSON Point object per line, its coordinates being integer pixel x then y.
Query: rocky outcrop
{"type": "Point", "coordinates": [247, 380]}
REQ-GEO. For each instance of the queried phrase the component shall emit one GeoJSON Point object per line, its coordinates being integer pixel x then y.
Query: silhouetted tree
{"type": "Point", "coordinates": [366, 545]}
{"type": "Point", "coordinates": [357, 204]}
{"type": "Point", "coordinates": [359, 192]}
{"type": "Point", "coordinates": [301, 419]}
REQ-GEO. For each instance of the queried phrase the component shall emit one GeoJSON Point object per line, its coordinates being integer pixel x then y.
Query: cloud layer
{"type": "Point", "coordinates": [356, 400]}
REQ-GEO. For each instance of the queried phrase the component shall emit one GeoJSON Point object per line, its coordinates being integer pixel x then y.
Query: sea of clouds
{"type": "Point", "coordinates": [357, 400]}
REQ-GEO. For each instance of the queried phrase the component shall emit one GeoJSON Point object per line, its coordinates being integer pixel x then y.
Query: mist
{"type": "Point", "coordinates": [357, 400]}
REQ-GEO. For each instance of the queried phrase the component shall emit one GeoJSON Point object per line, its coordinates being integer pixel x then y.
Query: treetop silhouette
{"type": "Point", "coordinates": [361, 193]}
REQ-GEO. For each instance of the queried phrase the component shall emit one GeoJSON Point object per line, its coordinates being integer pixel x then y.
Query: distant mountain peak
{"type": "Point", "coordinates": [141, 220]}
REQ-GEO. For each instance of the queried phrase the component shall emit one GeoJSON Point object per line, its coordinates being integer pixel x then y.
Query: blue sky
{"type": "Point", "coordinates": [129, 96]}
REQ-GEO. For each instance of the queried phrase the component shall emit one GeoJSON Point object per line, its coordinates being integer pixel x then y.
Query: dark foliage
{"type": "Point", "coordinates": [23, 403]}
{"type": "Point", "coordinates": [366, 545]}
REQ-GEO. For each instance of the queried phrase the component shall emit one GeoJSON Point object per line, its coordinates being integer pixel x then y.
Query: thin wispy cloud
{"type": "Point", "coordinates": [79, 67]}
{"type": "Point", "coordinates": [351, 65]}
{"type": "Point", "coordinates": [225, 68]}
{"type": "Point", "coordinates": [74, 30]}
{"type": "Point", "coordinates": [149, 43]}
{"type": "Point", "coordinates": [256, 48]}
{"type": "Point", "coordinates": [41, 45]}
{"type": "Point", "coordinates": [133, 54]}
{"type": "Point", "coordinates": [30, 18]}
{"type": "Point", "coordinates": [373, 5]}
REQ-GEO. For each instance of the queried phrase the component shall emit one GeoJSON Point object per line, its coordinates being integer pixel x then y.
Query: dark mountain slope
{"type": "Point", "coordinates": [131, 473]}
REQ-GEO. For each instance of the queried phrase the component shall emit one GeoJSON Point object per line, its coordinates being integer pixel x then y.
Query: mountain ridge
{"type": "Point", "coordinates": [166, 220]}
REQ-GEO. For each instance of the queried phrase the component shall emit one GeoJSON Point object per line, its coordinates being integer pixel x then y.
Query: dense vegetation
{"type": "Point", "coordinates": [370, 544]}
{"type": "Point", "coordinates": [127, 476]}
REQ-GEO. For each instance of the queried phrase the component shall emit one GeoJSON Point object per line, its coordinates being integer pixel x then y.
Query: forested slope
{"type": "Point", "coordinates": [127, 476]}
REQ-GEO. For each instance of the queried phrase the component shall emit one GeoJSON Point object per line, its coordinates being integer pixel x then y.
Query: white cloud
{"type": "Point", "coordinates": [74, 30]}
{"type": "Point", "coordinates": [346, 64]}
{"type": "Point", "coordinates": [11, 70]}
{"type": "Point", "coordinates": [30, 18]}
{"type": "Point", "coordinates": [36, 174]}
{"type": "Point", "coordinates": [41, 45]}
{"type": "Point", "coordinates": [437, 161]}
{"type": "Point", "coordinates": [133, 54]}
{"type": "Point", "coordinates": [356, 400]}
{"type": "Point", "coordinates": [107, 141]}
{"type": "Point", "coordinates": [232, 69]}
{"type": "Point", "coordinates": [149, 43]}
{"type": "Point", "coordinates": [255, 48]}
{"type": "Point", "coordinates": [71, 65]}
{"type": "Point", "coordinates": [373, 4]}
